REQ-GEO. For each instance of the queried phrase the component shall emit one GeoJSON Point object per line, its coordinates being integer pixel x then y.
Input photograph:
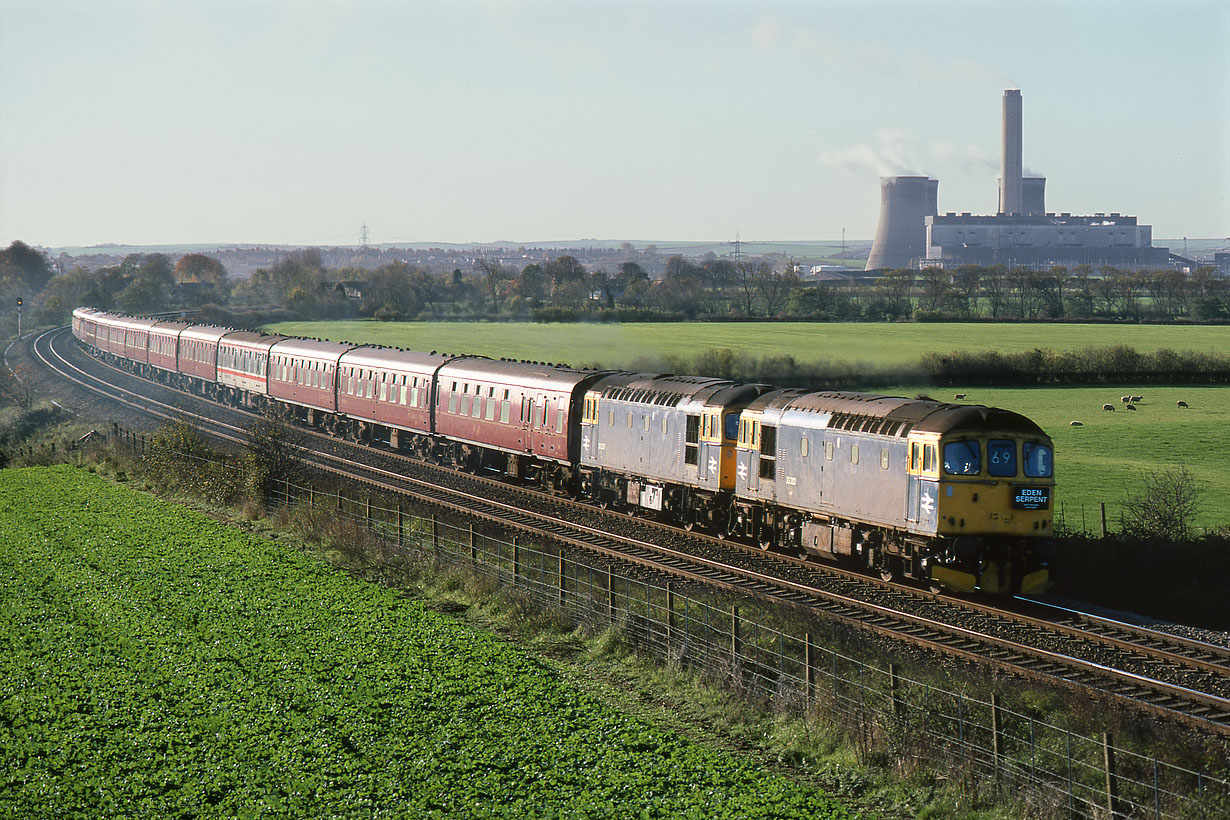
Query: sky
{"type": "Point", "coordinates": [475, 121]}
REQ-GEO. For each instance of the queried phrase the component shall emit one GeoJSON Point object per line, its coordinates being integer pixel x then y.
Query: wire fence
{"type": "Point", "coordinates": [1051, 771]}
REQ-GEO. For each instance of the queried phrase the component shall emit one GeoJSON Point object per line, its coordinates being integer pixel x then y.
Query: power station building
{"type": "Point", "coordinates": [1040, 241]}
{"type": "Point", "coordinates": [1021, 233]}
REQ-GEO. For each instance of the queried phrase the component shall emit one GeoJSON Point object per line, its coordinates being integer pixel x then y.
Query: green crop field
{"type": "Point", "coordinates": [154, 663]}
{"type": "Point", "coordinates": [1098, 463]}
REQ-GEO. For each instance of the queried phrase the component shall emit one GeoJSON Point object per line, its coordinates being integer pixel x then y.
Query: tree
{"type": "Point", "coordinates": [775, 288]}
{"type": "Point", "coordinates": [967, 280]}
{"type": "Point", "coordinates": [21, 262]}
{"type": "Point", "coordinates": [15, 386]}
{"type": "Point", "coordinates": [602, 282]}
{"type": "Point", "coordinates": [569, 281]}
{"type": "Point", "coordinates": [197, 267]}
{"type": "Point", "coordinates": [744, 276]}
{"type": "Point", "coordinates": [493, 275]}
{"type": "Point", "coordinates": [936, 287]}
{"type": "Point", "coordinates": [532, 285]}
{"type": "Point", "coordinates": [1165, 508]}
{"type": "Point", "coordinates": [897, 286]}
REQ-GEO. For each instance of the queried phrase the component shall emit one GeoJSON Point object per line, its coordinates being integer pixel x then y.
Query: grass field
{"type": "Point", "coordinates": [1098, 463]}
{"type": "Point", "coordinates": [155, 663]}
{"type": "Point", "coordinates": [876, 345]}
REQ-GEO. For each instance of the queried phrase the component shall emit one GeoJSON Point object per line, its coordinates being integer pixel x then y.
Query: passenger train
{"type": "Point", "coordinates": [952, 495]}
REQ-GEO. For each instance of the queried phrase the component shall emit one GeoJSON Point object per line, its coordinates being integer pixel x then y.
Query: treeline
{"type": "Point", "coordinates": [1118, 364]}
{"type": "Point", "coordinates": [564, 289]}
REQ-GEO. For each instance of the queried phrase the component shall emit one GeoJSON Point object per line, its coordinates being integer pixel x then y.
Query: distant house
{"type": "Point", "coordinates": [352, 289]}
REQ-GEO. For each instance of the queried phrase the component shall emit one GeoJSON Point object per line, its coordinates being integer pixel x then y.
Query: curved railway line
{"type": "Point", "coordinates": [1174, 677]}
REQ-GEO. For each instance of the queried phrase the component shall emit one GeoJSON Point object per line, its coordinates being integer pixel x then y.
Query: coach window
{"type": "Point", "coordinates": [803, 447]}
{"type": "Point", "coordinates": [610, 418]}
{"type": "Point", "coordinates": [854, 454]}
{"type": "Point", "coordinates": [884, 459]}
{"type": "Point", "coordinates": [828, 451]}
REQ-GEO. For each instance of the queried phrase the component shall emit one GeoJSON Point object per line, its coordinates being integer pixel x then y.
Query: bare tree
{"type": "Point", "coordinates": [1165, 508]}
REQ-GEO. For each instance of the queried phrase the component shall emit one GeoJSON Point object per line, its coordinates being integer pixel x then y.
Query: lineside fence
{"type": "Point", "coordinates": [915, 727]}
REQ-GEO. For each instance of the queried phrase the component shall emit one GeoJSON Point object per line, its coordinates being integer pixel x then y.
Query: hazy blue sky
{"type": "Point", "coordinates": [263, 121]}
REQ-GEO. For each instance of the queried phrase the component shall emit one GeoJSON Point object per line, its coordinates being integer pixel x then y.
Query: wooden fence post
{"type": "Point", "coordinates": [735, 643]}
{"type": "Point", "coordinates": [473, 548]}
{"type": "Point", "coordinates": [401, 528]}
{"type": "Point", "coordinates": [610, 594]}
{"type": "Point", "coordinates": [670, 613]}
{"type": "Point", "coordinates": [563, 590]}
{"type": "Point", "coordinates": [997, 736]}
{"type": "Point", "coordinates": [894, 689]}
{"type": "Point", "coordinates": [809, 660]}
{"type": "Point", "coordinates": [516, 562]}
{"type": "Point", "coordinates": [1112, 781]}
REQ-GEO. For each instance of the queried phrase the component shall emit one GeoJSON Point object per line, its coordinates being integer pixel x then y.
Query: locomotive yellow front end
{"type": "Point", "coordinates": [990, 490]}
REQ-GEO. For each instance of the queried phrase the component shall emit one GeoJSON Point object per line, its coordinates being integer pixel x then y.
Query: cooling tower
{"type": "Point", "coordinates": [905, 203]}
{"type": "Point", "coordinates": [1033, 196]}
{"type": "Point", "coordinates": [1010, 162]}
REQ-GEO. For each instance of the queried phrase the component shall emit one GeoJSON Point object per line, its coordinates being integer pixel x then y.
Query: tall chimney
{"type": "Point", "coordinates": [1010, 164]}
{"type": "Point", "coordinates": [901, 236]}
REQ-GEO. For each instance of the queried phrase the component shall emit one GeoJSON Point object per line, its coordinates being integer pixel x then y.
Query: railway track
{"type": "Point", "coordinates": [1170, 676]}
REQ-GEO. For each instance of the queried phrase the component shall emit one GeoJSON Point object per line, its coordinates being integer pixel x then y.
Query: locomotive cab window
{"type": "Point", "coordinates": [1036, 459]}
{"type": "Point", "coordinates": [962, 457]}
{"type": "Point", "coordinates": [1001, 458]}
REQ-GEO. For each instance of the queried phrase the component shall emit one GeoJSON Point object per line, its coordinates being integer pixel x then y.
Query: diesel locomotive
{"type": "Point", "coordinates": [951, 495]}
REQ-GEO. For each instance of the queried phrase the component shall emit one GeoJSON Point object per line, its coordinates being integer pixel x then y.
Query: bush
{"type": "Point", "coordinates": [1165, 508]}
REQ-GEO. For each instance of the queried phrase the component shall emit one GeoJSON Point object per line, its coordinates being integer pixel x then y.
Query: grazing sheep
{"type": "Point", "coordinates": [958, 395]}
{"type": "Point", "coordinates": [1109, 407]}
{"type": "Point", "coordinates": [1077, 423]}
{"type": "Point", "coordinates": [1125, 399]}
{"type": "Point", "coordinates": [1181, 403]}
{"type": "Point", "coordinates": [1137, 399]}
{"type": "Point", "coordinates": [1130, 406]}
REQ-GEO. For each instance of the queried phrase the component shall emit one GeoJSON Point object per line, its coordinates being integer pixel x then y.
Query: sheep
{"type": "Point", "coordinates": [958, 395]}
{"type": "Point", "coordinates": [1109, 407]}
{"type": "Point", "coordinates": [1125, 399]}
{"type": "Point", "coordinates": [1077, 423]}
{"type": "Point", "coordinates": [1181, 403]}
{"type": "Point", "coordinates": [1136, 399]}
{"type": "Point", "coordinates": [1130, 406]}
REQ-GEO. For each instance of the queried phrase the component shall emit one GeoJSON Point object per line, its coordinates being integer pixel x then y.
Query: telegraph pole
{"type": "Point", "coordinates": [18, 317]}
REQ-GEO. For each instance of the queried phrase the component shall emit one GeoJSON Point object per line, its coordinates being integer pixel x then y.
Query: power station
{"type": "Point", "coordinates": [913, 234]}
